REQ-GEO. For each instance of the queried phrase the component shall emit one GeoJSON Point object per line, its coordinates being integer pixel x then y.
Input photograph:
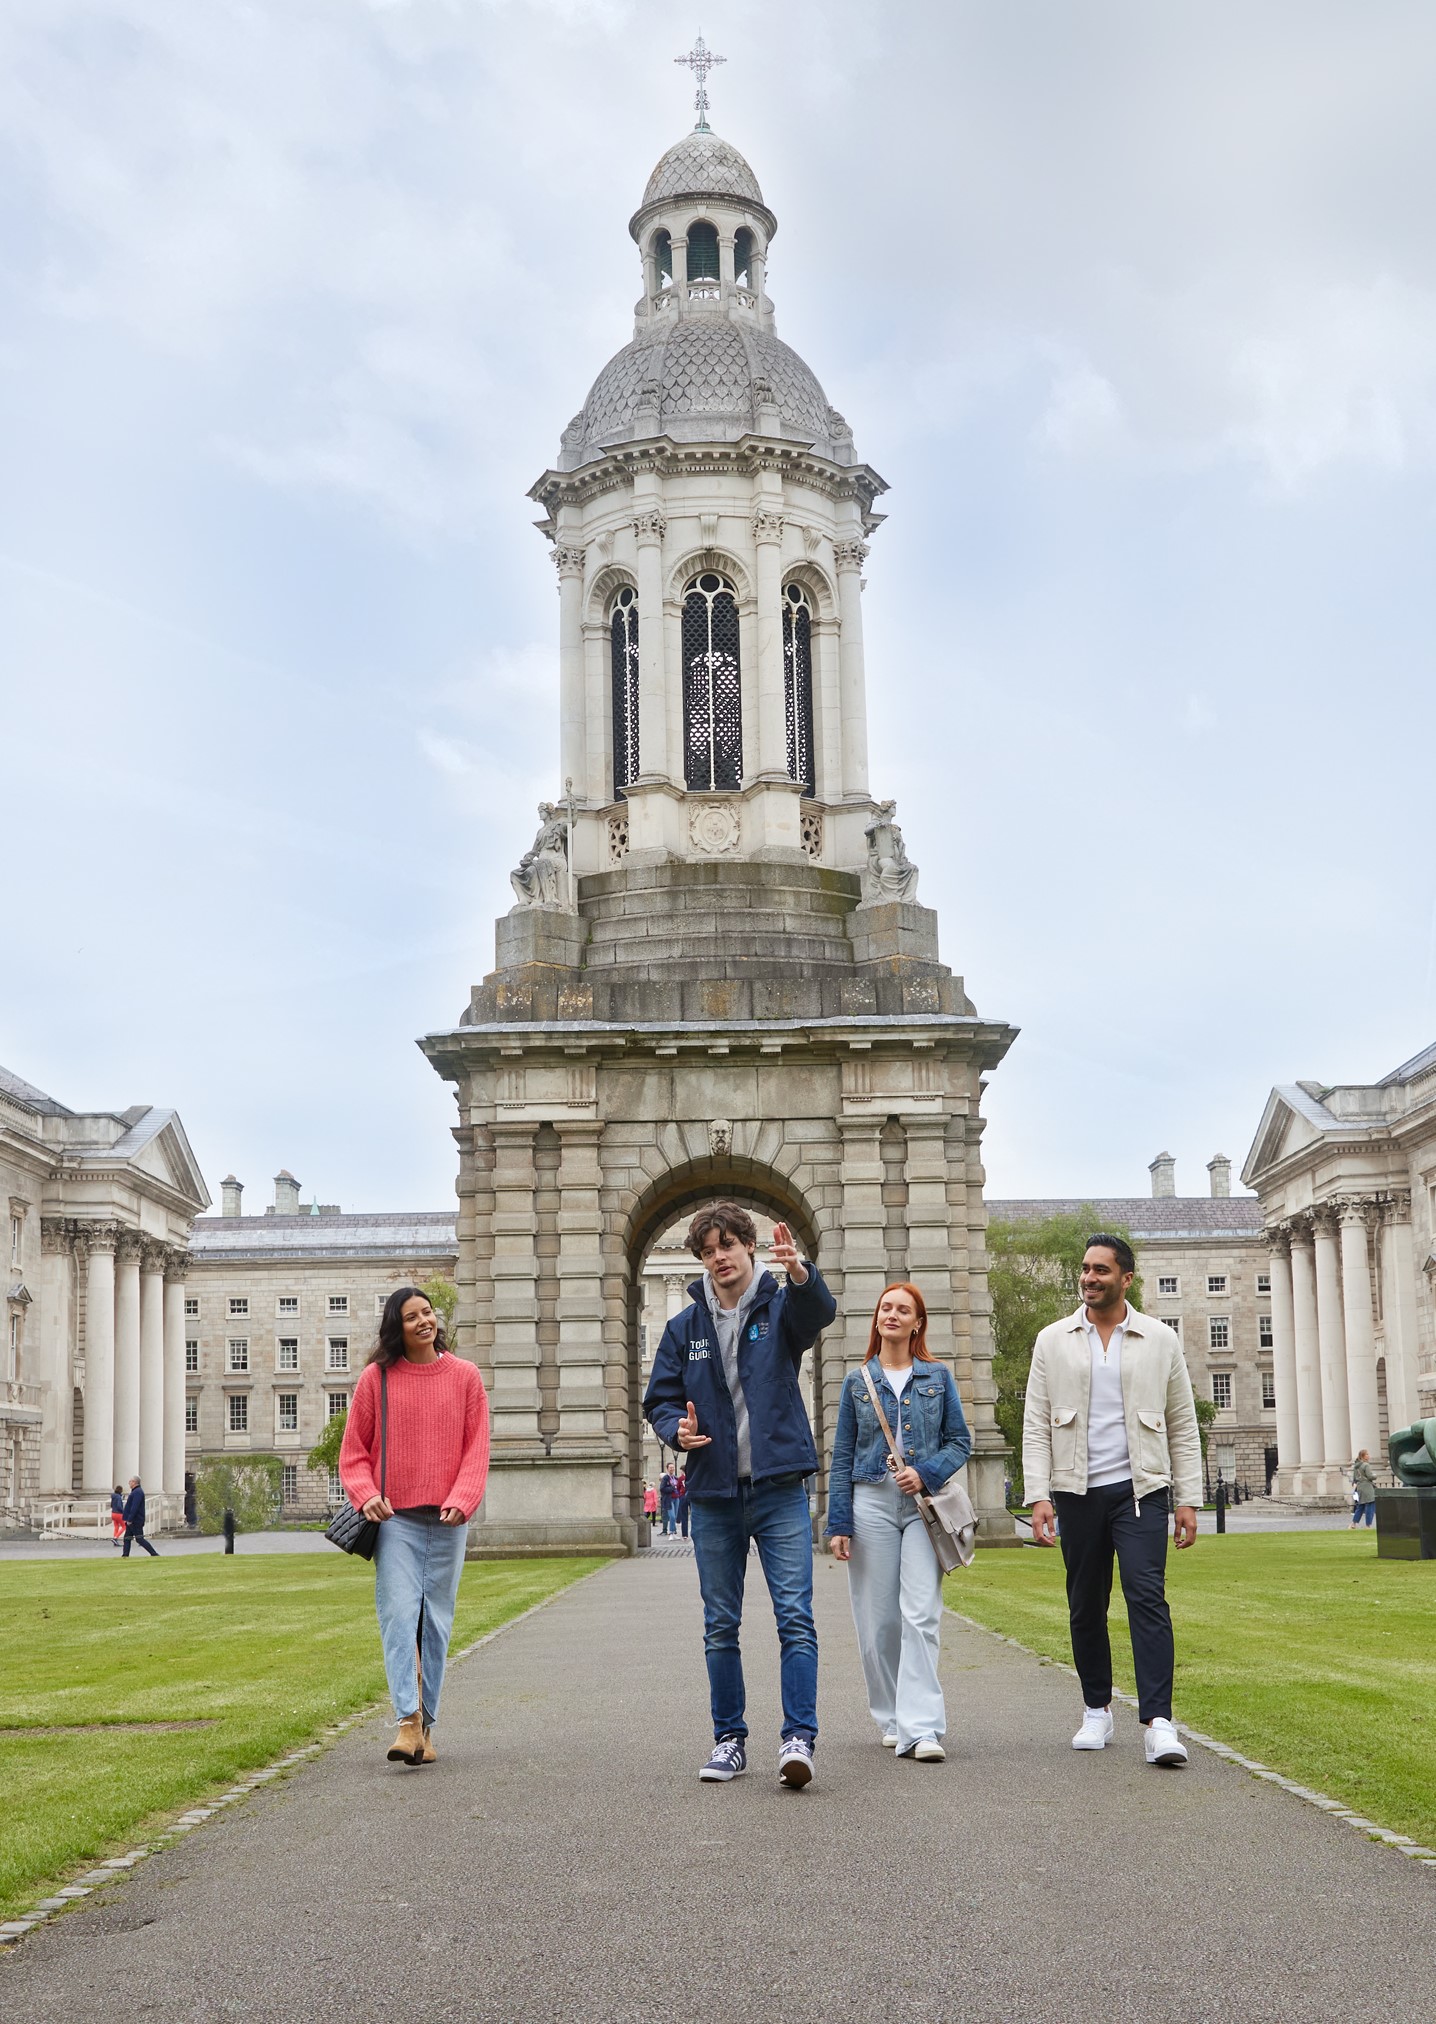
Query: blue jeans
{"type": "Point", "coordinates": [1365, 1513]}
{"type": "Point", "coordinates": [775, 1514]}
{"type": "Point", "coordinates": [416, 1585]}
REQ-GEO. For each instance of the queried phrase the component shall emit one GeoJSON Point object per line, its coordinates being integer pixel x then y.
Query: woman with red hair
{"type": "Point", "coordinates": [895, 1583]}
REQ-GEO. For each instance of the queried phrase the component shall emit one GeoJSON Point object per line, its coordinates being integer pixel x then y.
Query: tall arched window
{"type": "Point", "coordinates": [743, 257]}
{"type": "Point", "coordinates": [623, 636]}
{"type": "Point", "coordinates": [798, 683]}
{"type": "Point", "coordinates": [712, 688]}
{"type": "Point", "coordinates": [702, 252]}
{"type": "Point", "coordinates": [663, 257]}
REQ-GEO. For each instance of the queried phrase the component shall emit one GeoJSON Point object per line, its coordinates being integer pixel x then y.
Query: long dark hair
{"type": "Point", "coordinates": [389, 1349]}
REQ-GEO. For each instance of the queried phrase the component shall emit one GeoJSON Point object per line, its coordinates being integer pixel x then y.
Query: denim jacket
{"type": "Point", "coordinates": [934, 1434]}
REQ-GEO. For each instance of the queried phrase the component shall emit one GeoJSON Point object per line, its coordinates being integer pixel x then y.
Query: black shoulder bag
{"type": "Point", "coordinates": [349, 1529]}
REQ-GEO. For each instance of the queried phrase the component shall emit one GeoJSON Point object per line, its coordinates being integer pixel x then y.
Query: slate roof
{"type": "Point", "coordinates": [702, 164]}
{"type": "Point", "coordinates": [1150, 1217]}
{"type": "Point", "coordinates": [1409, 1070]}
{"type": "Point", "coordinates": [25, 1093]}
{"type": "Point", "coordinates": [399, 1234]}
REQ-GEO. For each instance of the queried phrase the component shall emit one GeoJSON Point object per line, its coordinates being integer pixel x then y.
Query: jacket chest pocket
{"type": "Point", "coordinates": [1064, 1440]}
{"type": "Point", "coordinates": [1152, 1451]}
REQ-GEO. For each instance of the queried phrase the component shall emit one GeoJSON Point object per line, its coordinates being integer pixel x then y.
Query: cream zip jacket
{"type": "Point", "coordinates": [1162, 1437]}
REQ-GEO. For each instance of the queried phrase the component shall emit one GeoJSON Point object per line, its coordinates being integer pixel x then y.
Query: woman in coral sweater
{"type": "Point", "coordinates": [434, 1474]}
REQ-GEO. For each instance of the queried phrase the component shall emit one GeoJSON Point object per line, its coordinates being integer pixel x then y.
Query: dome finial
{"type": "Point", "coordinates": [700, 60]}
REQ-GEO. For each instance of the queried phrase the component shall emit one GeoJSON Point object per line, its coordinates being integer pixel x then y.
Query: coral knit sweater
{"type": "Point", "coordinates": [438, 1436]}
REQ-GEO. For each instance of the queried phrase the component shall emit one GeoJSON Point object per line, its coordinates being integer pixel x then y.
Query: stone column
{"type": "Point", "coordinates": [772, 704]}
{"type": "Point", "coordinates": [864, 1223]}
{"type": "Point", "coordinates": [152, 1366]}
{"type": "Point", "coordinates": [176, 1266]}
{"type": "Point", "coordinates": [1335, 1413]}
{"type": "Point", "coordinates": [1306, 1342]}
{"type": "Point", "coordinates": [98, 1240]}
{"type": "Point", "coordinates": [568, 562]}
{"type": "Point", "coordinates": [515, 1402]}
{"type": "Point", "coordinates": [1399, 1302]}
{"type": "Point", "coordinates": [1283, 1352]}
{"type": "Point", "coordinates": [850, 557]}
{"type": "Point", "coordinates": [583, 1387]}
{"type": "Point", "coordinates": [650, 528]}
{"type": "Point", "coordinates": [127, 1357]}
{"type": "Point", "coordinates": [1360, 1332]}
{"type": "Point", "coordinates": [56, 1343]}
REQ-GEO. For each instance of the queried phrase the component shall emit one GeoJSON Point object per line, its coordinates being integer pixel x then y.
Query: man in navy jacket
{"type": "Point", "coordinates": [724, 1389]}
{"type": "Point", "coordinates": [135, 1520]}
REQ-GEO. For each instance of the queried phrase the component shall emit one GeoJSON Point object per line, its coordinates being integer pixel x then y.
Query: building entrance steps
{"type": "Point", "coordinates": [562, 1861]}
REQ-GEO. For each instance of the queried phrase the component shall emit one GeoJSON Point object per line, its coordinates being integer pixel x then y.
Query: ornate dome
{"type": "Point", "coordinates": [702, 165]}
{"type": "Point", "coordinates": [699, 382]}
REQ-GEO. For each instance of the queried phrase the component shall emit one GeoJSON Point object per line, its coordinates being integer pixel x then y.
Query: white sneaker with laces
{"type": "Point", "coordinates": [1162, 1743]}
{"type": "Point", "coordinates": [890, 1739]}
{"type": "Point", "coordinates": [1096, 1730]}
{"type": "Point", "coordinates": [928, 1750]}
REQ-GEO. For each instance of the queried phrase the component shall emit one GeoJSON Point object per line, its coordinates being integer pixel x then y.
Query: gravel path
{"type": "Point", "coordinates": [561, 1862]}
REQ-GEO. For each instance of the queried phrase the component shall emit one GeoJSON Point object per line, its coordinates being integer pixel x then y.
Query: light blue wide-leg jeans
{"type": "Point", "coordinates": [416, 1586]}
{"type": "Point", "coordinates": [895, 1585]}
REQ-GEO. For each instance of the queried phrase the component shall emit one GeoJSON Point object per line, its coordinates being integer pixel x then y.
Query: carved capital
{"type": "Point", "coordinates": [97, 1236]}
{"type": "Point", "coordinates": [649, 528]}
{"type": "Point", "coordinates": [1278, 1239]}
{"type": "Point", "coordinates": [176, 1262]}
{"type": "Point", "coordinates": [130, 1246]}
{"type": "Point", "coordinates": [850, 554]}
{"type": "Point", "coordinates": [57, 1236]}
{"type": "Point", "coordinates": [1325, 1220]}
{"type": "Point", "coordinates": [1356, 1209]}
{"type": "Point", "coordinates": [1299, 1230]}
{"type": "Point", "coordinates": [153, 1254]}
{"type": "Point", "coordinates": [1398, 1205]}
{"type": "Point", "coordinates": [568, 561]}
{"type": "Point", "coordinates": [767, 526]}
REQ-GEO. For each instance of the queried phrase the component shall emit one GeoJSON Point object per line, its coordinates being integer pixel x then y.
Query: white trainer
{"type": "Point", "coordinates": [1096, 1730]}
{"type": "Point", "coordinates": [890, 1739]}
{"type": "Point", "coordinates": [1162, 1743]}
{"type": "Point", "coordinates": [928, 1750]}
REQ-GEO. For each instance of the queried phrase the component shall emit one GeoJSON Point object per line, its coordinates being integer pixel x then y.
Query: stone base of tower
{"type": "Point", "coordinates": [743, 1029]}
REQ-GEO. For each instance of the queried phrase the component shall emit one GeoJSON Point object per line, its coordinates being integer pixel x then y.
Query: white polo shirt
{"type": "Point", "coordinates": [1108, 1460]}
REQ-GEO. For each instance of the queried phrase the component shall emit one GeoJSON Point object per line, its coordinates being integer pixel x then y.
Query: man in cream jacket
{"type": "Point", "coordinates": [1109, 1438]}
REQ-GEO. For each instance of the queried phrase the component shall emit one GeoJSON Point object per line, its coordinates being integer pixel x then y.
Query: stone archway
{"type": "Point", "coordinates": [669, 1199]}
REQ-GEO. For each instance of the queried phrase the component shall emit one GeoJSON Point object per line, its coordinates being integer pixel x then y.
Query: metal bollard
{"type": "Point", "coordinates": [229, 1531]}
{"type": "Point", "coordinates": [1221, 1505]}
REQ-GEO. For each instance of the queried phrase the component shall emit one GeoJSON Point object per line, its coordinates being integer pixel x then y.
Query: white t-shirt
{"type": "Point", "coordinates": [1108, 1460]}
{"type": "Point", "coordinates": [898, 1380]}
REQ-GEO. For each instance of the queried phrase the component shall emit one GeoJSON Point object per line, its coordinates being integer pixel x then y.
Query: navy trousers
{"type": "Point", "coordinates": [1093, 1529]}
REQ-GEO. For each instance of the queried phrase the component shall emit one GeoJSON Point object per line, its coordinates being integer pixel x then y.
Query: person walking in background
{"type": "Point", "coordinates": [1363, 1488]}
{"type": "Point", "coordinates": [650, 1502]}
{"type": "Point", "coordinates": [134, 1517]}
{"type": "Point", "coordinates": [1109, 1442]}
{"type": "Point", "coordinates": [895, 1582]}
{"type": "Point", "coordinates": [435, 1463]}
{"type": "Point", "coordinates": [680, 1501]}
{"type": "Point", "coordinates": [724, 1390]}
{"type": "Point", "coordinates": [665, 1500]}
{"type": "Point", "coordinates": [117, 1515]}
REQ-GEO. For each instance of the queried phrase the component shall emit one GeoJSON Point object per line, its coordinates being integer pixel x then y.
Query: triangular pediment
{"type": "Point", "coordinates": [157, 1146]}
{"type": "Point", "coordinates": [1287, 1126]}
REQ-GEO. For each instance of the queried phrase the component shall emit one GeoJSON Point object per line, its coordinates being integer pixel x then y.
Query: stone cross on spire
{"type": "Point", "coordinates": [700, 61]}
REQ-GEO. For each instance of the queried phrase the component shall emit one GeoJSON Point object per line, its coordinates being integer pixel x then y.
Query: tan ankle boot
{"type": "Point", "coordinates": [431, 1755]}
{"type": "Point", "coordinates": [408, 1746]}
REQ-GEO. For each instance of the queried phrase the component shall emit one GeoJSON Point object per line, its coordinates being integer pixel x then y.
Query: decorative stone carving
{"type": "Point", "coordinates": [708, 528]}
{"type": "Point", "coordinates": [850, 554]}
{"type": "Point", "coordinates": [888, 873]}
{"type": "Point", "coordinates": [767, 526]}
{"type": "Point", "coordinates": [97, 1236]}
{"type": "Point", "coordinates": [720, 1138]}
{"type": "Point", "coordinates": [839, 428]}
{"type": "Point", "coordinates": [130, 1246]}
{"type": "Point", "coordinates": [715, 827]}
{"type": "Point", "coordinates": [649, 527]}
{"type": "Point", "coordinates": [176, 1262]}
{"type": "Point", "coordinates": [810, 831]}
{"type": "Point", "coordinates": [812, 540]}
{"type": "Point", "coordinates": [617, 838]}
{"type": "Point", "coordinates": [541, 879]}
{"type": "Point", "coordinates": [605, 544]}
{"type": "Point", "coordinates": [56, 1236]}
{"type": "Point", "coordinates": [568, 561]}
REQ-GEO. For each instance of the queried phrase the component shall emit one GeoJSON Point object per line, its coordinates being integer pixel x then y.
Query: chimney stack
{"type": "Point", "coordinates": [1220, 1169]}
{"type": "Point", "coordinates": [1164, 1175]}
{"type": "Point", "coordinates": [286, 1193]}
{"type": "Point", "coordinates": [230, 1191]}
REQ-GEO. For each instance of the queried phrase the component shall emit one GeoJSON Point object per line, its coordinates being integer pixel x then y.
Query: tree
{"type": "Point", "coordinates": [251, 1489]}
{"type": "Point", "coordinates": [325, 1452]}
{"type": "Point", "coordinates": [1034, 1277]}
{"type": "Point", "coordinates": [1206, 1413]}
{"type": "Point", "coordinates": [443, 1296]}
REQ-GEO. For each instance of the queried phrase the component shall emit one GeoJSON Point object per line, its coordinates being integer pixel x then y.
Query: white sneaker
{"type": "Point", "coordinates": [1096, 1730]}
{"type": "Point", "coordinates": [1162, 1743]}
{"type": "Point", "coordinates": [890, 1739]}
{"type": "Point", "coordinates": [928, 1750]}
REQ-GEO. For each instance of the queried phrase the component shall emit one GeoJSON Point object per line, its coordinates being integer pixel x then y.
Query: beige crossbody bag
{"type": "Point", "coordinates": [947, 1513]}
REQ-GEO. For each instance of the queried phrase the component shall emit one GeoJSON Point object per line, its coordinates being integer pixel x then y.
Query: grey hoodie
{"type": "Point", "coordinates": [728, 1327]}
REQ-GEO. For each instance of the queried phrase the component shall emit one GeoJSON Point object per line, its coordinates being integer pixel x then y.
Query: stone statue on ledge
{"type": "Point", "coordinates": [1413, 1454]}
{"type": "Point", "coordinates": [542, 876]}
{"type": "Point", "coordinates": [888, 874]}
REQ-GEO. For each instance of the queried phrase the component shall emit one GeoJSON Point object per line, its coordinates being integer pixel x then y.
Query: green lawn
{"type": "Point", "coordinates": [1300, 1649]}
{"type": "Point", "coordinates": [262, 1653]}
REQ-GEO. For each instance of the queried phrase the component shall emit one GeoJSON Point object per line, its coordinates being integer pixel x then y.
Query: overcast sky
{"type": "Point", "coordinates": [1134, 307]}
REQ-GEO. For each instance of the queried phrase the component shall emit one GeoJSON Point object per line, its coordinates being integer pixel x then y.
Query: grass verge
{"type": "Point", "coordinates": [260, 1654]}
{"type": "Point", "coordinates": [1300, 1649]}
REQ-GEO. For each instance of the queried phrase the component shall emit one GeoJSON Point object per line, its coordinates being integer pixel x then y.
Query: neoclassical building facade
{"type": "Point", "coordinates": [716, 977]}
{"type": "Point", "coordinates": [99, 1211]}
{"type": "Point", "coordinates": [1346, 1175]}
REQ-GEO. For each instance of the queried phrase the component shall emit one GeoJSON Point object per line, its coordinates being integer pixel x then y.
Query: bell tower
{"type": "Point", "coordinates": [716, 976]}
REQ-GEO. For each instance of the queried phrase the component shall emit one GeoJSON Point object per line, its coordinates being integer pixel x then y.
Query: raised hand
{"type": "Point", "coordinates": [688, 1434]}
{"type": "Point", "coordinates": [785, 1253]}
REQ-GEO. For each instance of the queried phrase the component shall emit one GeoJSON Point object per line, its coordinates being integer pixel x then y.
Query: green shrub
{"type": "Point", "coordinates": [251, 1489]}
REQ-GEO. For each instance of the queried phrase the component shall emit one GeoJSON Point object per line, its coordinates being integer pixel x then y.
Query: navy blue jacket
{"type": "Point", "coordinates": [135, 1509]}
{"type": "Point", "coordinates": [783, 1324]}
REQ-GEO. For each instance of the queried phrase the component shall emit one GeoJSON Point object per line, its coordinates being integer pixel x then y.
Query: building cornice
{"type": "Point", "coordinates": [749, 456]}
